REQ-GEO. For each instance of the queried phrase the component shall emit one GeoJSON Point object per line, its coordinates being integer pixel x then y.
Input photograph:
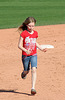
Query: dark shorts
{"type": "Point", "coordinates": [27, 60]}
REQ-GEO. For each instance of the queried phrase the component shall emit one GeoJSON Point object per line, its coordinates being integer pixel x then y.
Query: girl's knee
{"type": "Point", "coordinates": [34, 70]}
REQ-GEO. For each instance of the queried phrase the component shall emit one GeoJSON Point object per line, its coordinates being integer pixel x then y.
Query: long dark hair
{"type": "Point", "coordinates": [25, 23]}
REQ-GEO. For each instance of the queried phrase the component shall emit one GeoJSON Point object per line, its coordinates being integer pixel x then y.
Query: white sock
{"type": "Point", "coordinates": [32, 88]}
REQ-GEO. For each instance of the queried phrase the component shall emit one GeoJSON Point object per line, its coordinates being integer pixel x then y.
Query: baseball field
{"type": "Point", "coordinates": [50, 16]}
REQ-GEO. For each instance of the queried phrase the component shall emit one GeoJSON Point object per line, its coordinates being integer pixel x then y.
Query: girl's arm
{"type": "Point", "coordinates": [38, 46]}
{"type": "Point", "coordinates": [20, 46]}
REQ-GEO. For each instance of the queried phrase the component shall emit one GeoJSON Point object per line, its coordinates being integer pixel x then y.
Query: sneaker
{"type": "Point", "coordinates": [23, 75]}
{"type": "Point", "coordinates": [33, 91]}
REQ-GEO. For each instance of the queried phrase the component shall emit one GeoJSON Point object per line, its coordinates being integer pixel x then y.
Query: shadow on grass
{"type": "Point", "coordinates": [13, 91]}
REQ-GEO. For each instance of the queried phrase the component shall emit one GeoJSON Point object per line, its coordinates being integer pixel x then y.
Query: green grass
{"type": "Point", "coordinates": [46, 12]}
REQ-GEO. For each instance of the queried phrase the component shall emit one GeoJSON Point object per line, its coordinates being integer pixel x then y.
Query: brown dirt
{"type": "Point", "coordinates": [50, 83]}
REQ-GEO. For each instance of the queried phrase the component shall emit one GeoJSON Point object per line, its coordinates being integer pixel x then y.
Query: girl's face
{"type": "Point", "coordinates": [30, 26]}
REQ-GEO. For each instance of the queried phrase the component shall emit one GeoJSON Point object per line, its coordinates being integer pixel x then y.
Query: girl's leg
{"type": "Point", "coordinates": [26, 66]}
{"type": "Point", "coordinates": [24, 73]}
{"type": "Point", "coordinates": [33, 72]}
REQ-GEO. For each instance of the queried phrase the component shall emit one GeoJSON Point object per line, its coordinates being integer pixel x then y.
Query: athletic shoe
{"type": "Point", "coordinates": [33, 91]}
{"type": "Point", "coordinates": [23, 75]}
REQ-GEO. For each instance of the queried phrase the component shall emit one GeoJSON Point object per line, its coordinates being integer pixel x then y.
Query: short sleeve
{"type": "Point", "coordinates": [22, 34]}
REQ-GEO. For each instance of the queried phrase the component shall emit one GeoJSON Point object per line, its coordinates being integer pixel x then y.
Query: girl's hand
{"type": "Point", "coordinates": [44, 50]}
{"type": "Point", "coordinates": [28, 52]}
{"type": "Point", "coordinates": [39, 46]}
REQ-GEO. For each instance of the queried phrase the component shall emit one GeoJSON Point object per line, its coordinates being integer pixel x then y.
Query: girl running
{"type": "Point", "coordinates": [28, 45]}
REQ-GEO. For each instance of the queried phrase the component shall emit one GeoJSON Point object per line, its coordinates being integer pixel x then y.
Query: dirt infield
{"type": "Point", "coordinates": [50, 83]}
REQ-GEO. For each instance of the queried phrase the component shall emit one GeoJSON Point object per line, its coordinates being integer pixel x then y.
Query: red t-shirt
{"type": "Point", "coordinates": [29, 42]}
